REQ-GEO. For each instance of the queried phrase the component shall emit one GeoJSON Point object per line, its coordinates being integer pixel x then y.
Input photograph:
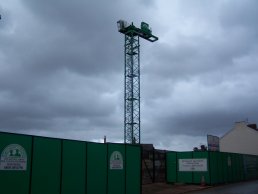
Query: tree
{"type": "Point", "coordinates": [202, 148]}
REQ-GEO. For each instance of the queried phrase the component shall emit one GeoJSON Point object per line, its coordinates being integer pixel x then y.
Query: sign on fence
{"type": "Point", "coordinates": [116, 161]}
{"type": "Point", "coordinates": [193, 165]}
{"type": "Point", "coordinates": [13, 157]}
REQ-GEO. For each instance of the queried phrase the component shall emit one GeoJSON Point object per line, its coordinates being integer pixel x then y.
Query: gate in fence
{"type": "Point", "coordinates": [153, 164]}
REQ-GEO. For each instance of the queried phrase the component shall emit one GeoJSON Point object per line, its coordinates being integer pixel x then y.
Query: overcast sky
{"type": "Point", "coordinates": [62, 68]}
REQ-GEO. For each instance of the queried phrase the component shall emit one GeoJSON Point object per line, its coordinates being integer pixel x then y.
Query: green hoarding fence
{"type": "Point", "coordinates": [235, 169]}
{"type": "Point", "coordinates": [213, 171]}
{"type": "Point", "coordinates": [241, 166]}
{"type": "Point", "coordinates": [97, 168]}
{"type": "Point", "coordinates": [216, 170]}
{"type": "Point", "coordinates": [230, 167]}
{"type": "Point", "coordinates": [210, 167]}
{"type": "Point", "coordinates": [171, 161]}
{"type": "Point", "coordinates": [199, 176]}
{"type": "Point", "coordinates": [250, 167]}
{"type": "Point", "coordinates": [133, 169]}
{"type": "Point", "coordinates": [184, 176]}
{"type": "Point", "coordinates": [73, 167]}
{"type": "Point", "coordinates": [225, 167]}
{"type": "Point", "coordinates": [15, 181]}
{"type": "Point", "coordinates": [46, 166]}
{"type": "Point", "coordinates": [220, 168]}
{"type": "Point", "coordinates": [116, 178]}
{"type": "Point", "coordinates": [39, 165]}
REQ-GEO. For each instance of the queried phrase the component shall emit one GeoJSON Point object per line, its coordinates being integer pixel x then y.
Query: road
{"type": "Point", "coordinates": [250, 187]}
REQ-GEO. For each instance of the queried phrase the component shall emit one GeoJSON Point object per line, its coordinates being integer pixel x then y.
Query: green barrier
{"type": "Point", "coordinates": [242, 174]}
{"type": "Point", "coordinates": [38, 165]}
{"type": "Point", "coordinates": [15, 178]}
{"type": "Point", "coordinates": [256, 161]}
{"type": "Point", "coordinates": [201, 176]}
{"type": "Point", "coordinates": [229, 167]}
{"type": "Point", "coordinates": [96, 168]}
{"type": "Point", "coordinates": [133, 170]}
{"type": "Point", "coordinates": [250, 167]}
{"type": "Point", "coordinates": [184, 176]}
{"type": "Point", "coordinates": [214, 167]}
{"type": "Point", "coordinates": [73, 167]}
{"type": "Point", "coordinates": [222, 167]}
{"type": "Point", "coordinates": [256, 174]}
{"type": "Point", "coordinates": [116, 169]}
{"type": "Point", "coordinates": [233, 170]}
{"type": "Point", "coordinates": [225, 167]}
{"type": "Point", "coordinates": [238, 168]}
{"type": "Point", "coordinates": [171, 160]}
{"type": "Point", "coordinates": [46, 166]}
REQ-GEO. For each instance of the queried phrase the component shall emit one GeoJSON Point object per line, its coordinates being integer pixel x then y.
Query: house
{"type": "Point", "coordinates": [243, 138]}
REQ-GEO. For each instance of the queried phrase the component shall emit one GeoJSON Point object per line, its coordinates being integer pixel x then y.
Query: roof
{"type": "Point", "coordinates": [242, 125]}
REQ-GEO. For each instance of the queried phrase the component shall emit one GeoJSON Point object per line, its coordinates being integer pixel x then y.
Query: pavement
{"type": "Point", "coordinates": [163, 188]}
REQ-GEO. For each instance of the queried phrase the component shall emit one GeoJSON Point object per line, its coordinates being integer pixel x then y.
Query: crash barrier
{"type": "Point", "coordinates": [203, 167]}
{"type": "Point", "coordinates": [40, 165]}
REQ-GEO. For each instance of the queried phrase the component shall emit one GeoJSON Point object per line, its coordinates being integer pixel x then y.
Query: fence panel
{"type": "Point", "coordinates": [40, 165]}
{"type": "Point", "coordinates": [73, 167]}
{"type": "Point", "coordinates": [46, 166]}
{"type": "Point", "coordinates": [250, 166]}
{"type": "Point", "coordinates": [230, 168]}
{"type": "Point", "coordinates": [116, 168]}
{"type": "Point", "coordinates": [133, 169]}
{"type": "Point", "coordinates": [171, 167]}
{"type": "Point", "coordinates": [14, 147]}
{"type": "Point", "coordinates": [198, 177]}
{"type": "Point", "coordinates": [216, 168]}
{"type": "Point", "coordinates": [220, 167]}
{"type": "Point", "coordinates": [184, 176]}
{"type": "Point", "coordinates": [96, 168]}
{"type": "Point", "coordinates": [234, 167]}
{"type": "Point", "coordinates": [242, 173]}
{"type": "Point", "coordinates": [225, 167]}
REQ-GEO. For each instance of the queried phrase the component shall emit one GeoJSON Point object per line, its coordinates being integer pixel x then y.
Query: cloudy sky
{"type": "Point", "coordinates": [62, 71]}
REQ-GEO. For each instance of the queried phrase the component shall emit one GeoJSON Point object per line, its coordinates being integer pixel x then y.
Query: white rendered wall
{"type": "Point", "coordinates": [241, 139]}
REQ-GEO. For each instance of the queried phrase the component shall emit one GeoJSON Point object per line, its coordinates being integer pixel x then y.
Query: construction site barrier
{"type": "Point", "coordinates": [206, 167]}
{"type": "Point", "coordinates": [40, 165]}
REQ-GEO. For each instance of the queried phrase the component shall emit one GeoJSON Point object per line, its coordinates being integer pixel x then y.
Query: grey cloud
{"type": "Point", "coordinates": [61, 68]}
{"type": "Point", "coordinates": [239, 14]}
{"type": "Point", "coordinates": [210, 122]}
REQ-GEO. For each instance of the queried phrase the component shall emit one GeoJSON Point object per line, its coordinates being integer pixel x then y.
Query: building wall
{"type": "Point", "coordinates": [241, 139]}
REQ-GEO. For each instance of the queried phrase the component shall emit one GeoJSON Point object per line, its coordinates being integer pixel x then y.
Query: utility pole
{"type": "Point", "coordinates": [132, 119]}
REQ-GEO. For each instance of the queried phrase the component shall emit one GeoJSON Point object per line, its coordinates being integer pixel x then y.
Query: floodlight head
{"type": "Point", "coordinates": [121, 24]}
{"type": "Point", "coordinates": [144, 32]}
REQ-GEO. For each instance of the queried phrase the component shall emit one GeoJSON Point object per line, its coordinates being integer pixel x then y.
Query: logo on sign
{"type": "Point", "coordinates": [116, 161]}
{"type": "Point", "coordinates": [13, 157]}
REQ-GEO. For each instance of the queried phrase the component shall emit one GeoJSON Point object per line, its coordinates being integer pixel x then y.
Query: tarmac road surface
{"type": "Point", "coordinates": [250, 187]}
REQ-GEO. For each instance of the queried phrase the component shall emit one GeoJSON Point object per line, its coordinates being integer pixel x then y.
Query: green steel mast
{"type": "Point", "coordinates": [132, 119]}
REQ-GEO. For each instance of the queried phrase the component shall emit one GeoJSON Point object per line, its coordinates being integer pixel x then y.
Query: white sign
{"type": "Point", "coordinates": [13, 157]}
{"type": "Point", "coordinates": [191, 165]}
{"type": "Point", "coordinates": [116, 161]}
